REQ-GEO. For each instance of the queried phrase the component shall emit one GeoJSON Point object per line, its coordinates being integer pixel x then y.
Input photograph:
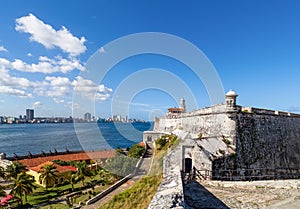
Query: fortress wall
{"type": "Point", "coordinates": [268, 140]}
{"type": "Point", "coordinates": [267, 146]}
{"type": "Point", "coordinates": [170, 191]}
{"type": "Point", "coordinates": [210, 122]}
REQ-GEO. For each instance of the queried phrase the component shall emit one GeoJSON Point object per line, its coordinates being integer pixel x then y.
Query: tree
{"type": "Point", "coordinates": [121, 165]}
{"type": "Point", "coordinates": [2, 173]}
{"type": "Point", "coordinates": [82, 171]}
{"type": "Point", "coordinates": [23, 184]}
{"type": "Point", "coordinates": [136, 151]}
{"type": "Point", "coordinates": [2, 192]}
{"type": "Point", "coordinates": [48, 176]}
{"type": "Point", "coordinates": [14, 169]}
{"type": "Point", "coordinates": [73, 180]}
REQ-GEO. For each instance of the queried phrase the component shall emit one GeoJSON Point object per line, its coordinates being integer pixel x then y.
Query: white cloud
{"type": "Point", "coordinates": [15, 86]}
{"type": "Point", "coordinates": [2, 49]}
{"type": "Point", "coordinates": [72, 105]}
{"type": "Point", "coordinates": [58, 101]}
{"type": "Point", "coordinates": [29, 55]}
{"type": "Point", "coordinates": [55, 87]}
{"type": "Point", "coordinates": [58, 86]}
{"type": "Point", "coordinates": [49, 37]}
{"type": "Point", "coordinates": [45, 65]}
{"type": "Point", "coordinates": [90, 90]}
{"type": "Point", "coordinates": [15, 92]}
{"type": "Point", "coordinates": [61, 87]}
{"type": "Point", "coordinates": [37, 104]}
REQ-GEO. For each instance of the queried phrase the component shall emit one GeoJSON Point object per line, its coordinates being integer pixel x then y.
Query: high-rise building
{"type": "Point", "coordinates": [87, 116]}
{"type": "Point", "coordinates": [29, 114]}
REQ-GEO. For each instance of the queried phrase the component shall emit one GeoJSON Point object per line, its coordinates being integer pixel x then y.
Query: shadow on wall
{"type": "Point", "coordinates": [197, 196]}
{"type": "Point", "coordinates": [227, 169]}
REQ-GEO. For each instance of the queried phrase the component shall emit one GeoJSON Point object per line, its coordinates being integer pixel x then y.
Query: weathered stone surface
{"type": "Point", "coordinates": [228, 137]}
{"type": "Point", "coordinates": [170, 192]}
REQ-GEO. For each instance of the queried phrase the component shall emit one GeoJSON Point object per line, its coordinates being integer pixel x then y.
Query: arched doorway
{"type": "Point", "coordinates": [188, 165]}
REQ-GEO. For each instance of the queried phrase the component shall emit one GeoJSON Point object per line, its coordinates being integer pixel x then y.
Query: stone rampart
{"type": "Point", "coordinates": [268, 140]}
{"type": "Point", "coordinates": [208, 122]}
{"type": "Point", "coordinates": [267, 146]}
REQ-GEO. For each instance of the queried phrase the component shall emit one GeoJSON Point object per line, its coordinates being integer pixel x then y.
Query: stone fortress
{"type": "Point", "coordinates": [226, 142]}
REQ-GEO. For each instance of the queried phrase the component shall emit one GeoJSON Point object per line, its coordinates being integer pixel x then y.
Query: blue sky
{"type": "Point", "coordinates": [44, 46]}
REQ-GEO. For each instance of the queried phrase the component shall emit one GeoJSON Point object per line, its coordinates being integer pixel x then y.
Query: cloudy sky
{"type": "Point", "coordinates": [44, 48]}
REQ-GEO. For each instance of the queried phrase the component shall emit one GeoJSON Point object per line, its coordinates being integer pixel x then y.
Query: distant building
{"type": "Point", "coordinates": [87, 116]}
{"type": "Point", "coordinates": [175, 111]}
{"type": "Point", "coordinates": [29, 114]}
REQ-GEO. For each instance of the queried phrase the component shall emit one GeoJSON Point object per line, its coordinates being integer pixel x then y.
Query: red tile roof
{"type": "Point", "coordinates": [142, 144]}
{"type": "Point", "coordinates": [59, 168]}
{"type": "Point", "coordinates": [96, 155]}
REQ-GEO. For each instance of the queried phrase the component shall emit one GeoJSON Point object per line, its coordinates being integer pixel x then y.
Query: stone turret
{"type": "Point", "coordinates": [231, 100]}
{"type": "Point", "coordinates": [182, 104]}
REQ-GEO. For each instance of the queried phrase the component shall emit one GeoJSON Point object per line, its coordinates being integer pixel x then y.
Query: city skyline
{"type": "Point", "coordinates": [29, 117]}
{"type": "Point", "coordinates": [254, 47]}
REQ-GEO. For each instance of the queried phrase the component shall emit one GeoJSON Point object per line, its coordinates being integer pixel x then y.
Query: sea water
{"type": "Point", "coordinates": [35, 138]}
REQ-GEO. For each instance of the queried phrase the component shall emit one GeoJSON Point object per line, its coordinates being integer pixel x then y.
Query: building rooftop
{"type": "Point", "coordinates": [96, 155]}
{"type": "Point", "coordinates": [59, 168]}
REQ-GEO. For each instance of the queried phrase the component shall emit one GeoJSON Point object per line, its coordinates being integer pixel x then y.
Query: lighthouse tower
{"type": "Point", "coordinates": [182, 104]}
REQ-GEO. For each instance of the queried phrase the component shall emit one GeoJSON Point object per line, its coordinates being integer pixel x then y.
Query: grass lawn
{"type": "Point", "coordinates": [40, 195]}
{"type": "Point", "coordinates": [55, 206]}
{"type": "Point", "coordinates": [141, 193]}
{"type": "Point", "coordinates": [138, 196]}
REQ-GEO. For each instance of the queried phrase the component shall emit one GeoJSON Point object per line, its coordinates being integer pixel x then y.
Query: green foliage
{"type": "Point", "coordinates": [166, 141]}
{"type": "Point", "coordinates": [48, 176]}
{"type": "Point", "coordinates": [82, 171]}
{"type": "Point", "coordinates": [225, 140]}
{"type": "Point", "coordinates": [136, 151]}
{"type": "Point", "coordinates": [14, 169]}
{"type": "Point", "coordinates": [200, 136]}
{"type": "Point", "coordinates": [2, 173]}
{"type": "Point", "coordinates": [121, 165]}
{"type": "Point", "coordinates": [2, 192]}
{"type": "Point", "coordinates": [161, 142]}
{"type": "Point", "coordinates": [23, 184]}
{"type": "Point", "coordinates": [138, 196]}
{"type": "Point", "coordinates": [61, 162]}
{"type": "Point", "coordinates": [55, 206]}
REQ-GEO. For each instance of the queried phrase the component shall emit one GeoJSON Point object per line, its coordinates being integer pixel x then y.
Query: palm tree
{"type": "Point", "coordinates": [14, 169]}
{"type": "Point", "coordinates": [73, 180]}
{"type": "Point", "coordinates": [2, 192]}
{"type": "Point", "coordinates": [48, 176]}
{"type": "Point", "coordinates": [2, 173]}
{"type": "Point", "coordinates": [23, 184]}
{"type": "Point", "coordinates": [82, 171]}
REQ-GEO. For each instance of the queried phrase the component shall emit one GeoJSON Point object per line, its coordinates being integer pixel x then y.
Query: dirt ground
{"type": "Point", "coordinates": [283, 194]}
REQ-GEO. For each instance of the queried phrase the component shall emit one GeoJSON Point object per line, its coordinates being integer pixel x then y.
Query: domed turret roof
{"type": "Point", "coordinates": [231, 93]}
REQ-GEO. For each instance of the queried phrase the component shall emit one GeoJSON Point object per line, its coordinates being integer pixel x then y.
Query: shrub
{"type": "Point", "coordinates": [225, 140]}
{"type": "Point", "coordinates": [136, 151]}
{"type": "Point", "coordinates": [200, 136]}
{"type": "Point", "coordinates": [165, 141]}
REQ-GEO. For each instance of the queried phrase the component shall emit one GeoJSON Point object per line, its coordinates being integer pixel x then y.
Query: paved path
{"type": "Point", "coordinates": [145, 166]}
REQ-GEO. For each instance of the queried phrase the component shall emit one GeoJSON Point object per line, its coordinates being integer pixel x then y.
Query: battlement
{"type": "Point", "coordinates": [261, 111]}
